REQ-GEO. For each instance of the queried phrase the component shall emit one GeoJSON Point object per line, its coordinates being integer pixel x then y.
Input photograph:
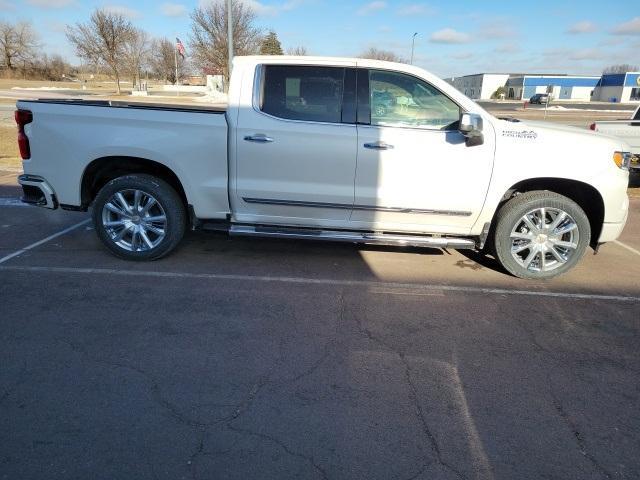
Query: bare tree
{"type": "Point", "coordinates": [18, 43]}
{"type": "Point", "coordinates": [103, 40]}
{"type": "Point", "coordinates": [136, 53]}
{"type": "Point", "coordinates": [163, 60]}
{"type": "Point", "coordinates": [622, 68]}
{"type": "Point", "coordinates": [299, 51]}
{"type": "Point", "coordinates": [209, 34]}
{"type": "Point", "coordinates": [377, 54]}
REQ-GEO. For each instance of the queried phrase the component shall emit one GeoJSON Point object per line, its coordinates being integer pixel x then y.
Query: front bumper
{"type": "Point", "coordinates": [36, 191]}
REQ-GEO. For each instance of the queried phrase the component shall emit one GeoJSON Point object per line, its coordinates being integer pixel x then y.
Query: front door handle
{"type": "Point", "coordinates": [378, 146]}
{"type": "Point", "coordinates": [258, 137]}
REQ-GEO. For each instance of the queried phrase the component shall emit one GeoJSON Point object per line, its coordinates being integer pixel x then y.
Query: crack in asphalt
{"type": "Point", "coordinates": [580, 441]}
{"type": "Point", "coordinates": [308, 458]}
{"type": "Point", "coordinates": [557, 404]}
{"type": "Point", "coordinates": [22, 378]}
{"type": "Point", "coordinates": [240, 408]}
{"type": "Point", "coordinates": [413, 396]}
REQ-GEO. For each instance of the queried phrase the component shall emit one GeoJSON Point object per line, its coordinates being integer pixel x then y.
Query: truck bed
{"type": "Point", "coordinates": [71, 137]}
{"type": "Point", "coordinates": [215, 109]}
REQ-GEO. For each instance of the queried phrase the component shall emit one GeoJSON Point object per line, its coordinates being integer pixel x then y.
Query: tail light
{"type": "Point", "coordinates": [592, 126]}
{"type": "Point", "coordinates": [22, 118]}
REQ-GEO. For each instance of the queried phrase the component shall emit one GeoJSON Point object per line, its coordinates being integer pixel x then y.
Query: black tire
{"type": "Point", "coordinates": [168, 205]}
{"type": "Point", "coordinates": [511, 216]}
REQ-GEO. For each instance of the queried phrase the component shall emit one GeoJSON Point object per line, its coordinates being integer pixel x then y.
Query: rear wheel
{"type": "Point", "coordinates": [541, 235]}
{"type": "Point", "coordinates": [139, 217]}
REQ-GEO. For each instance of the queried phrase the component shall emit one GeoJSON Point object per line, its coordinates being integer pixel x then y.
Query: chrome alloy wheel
{"type": "Point", "coordinates": [134, 220]}
{"type": "Point", "coordinates": [544, 239]}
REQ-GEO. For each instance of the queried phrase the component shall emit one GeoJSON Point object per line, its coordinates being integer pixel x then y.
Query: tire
{"type": "Point", "coordinates": [531, 250]}
{"type": "Point", "coordinates": [139, 217]}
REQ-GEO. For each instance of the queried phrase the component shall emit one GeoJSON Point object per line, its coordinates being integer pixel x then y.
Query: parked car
{"type": "Point", "coordinates": [540, 98]}
{"type": "Point", "coordinates": [298, 154]}
{"type": "Point", "coordinates": [627, 130]}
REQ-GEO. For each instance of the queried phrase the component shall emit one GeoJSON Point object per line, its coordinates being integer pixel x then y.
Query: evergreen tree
{"type": "Point", "coordinates": [271, 45]}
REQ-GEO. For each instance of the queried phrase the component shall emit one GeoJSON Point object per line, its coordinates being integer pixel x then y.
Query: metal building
{"type": "Point", "coordinates": [480, 86]}
{"type": "Point", "coordinates": [618, 87]}
{"type": "Point", "coordinates": [561, 87]}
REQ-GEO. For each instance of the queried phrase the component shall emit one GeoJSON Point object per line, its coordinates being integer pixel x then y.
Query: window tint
{"type": "Point", "coordinates": [303, 93]}
{"type": "Point", "coordinates": [402, 100]}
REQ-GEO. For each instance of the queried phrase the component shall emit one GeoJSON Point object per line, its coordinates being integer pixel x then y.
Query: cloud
{"type": "Point", "coordinates": [575, 55]}
{"type": "Point", "coordinates": [416, 9]}
{"type": "Point", "coordinates": [123, 10]}
{"type": "Point", "coordinates": [463, 55]}
{"type": "Point", "coordinates": [371, 7]}
{"type": "Point", "coordinates": [582, 27]}
{"type": "Point", "coordinates": [632, 27]}
{"type": "Point", "coordinates": [173, 9]}
{"type": "Point", "coordinates": [507, 48]}
{"type": "Point", "coordinates": [260, 8]}
{"type": "Point", "coordinates": [449, 35]}
{"type": "Point", "coordinates": [497, 29]}
{"type": "Point", "coordinates": [50, 3]}
{"type": "Point", "coordinates": [6, 6]}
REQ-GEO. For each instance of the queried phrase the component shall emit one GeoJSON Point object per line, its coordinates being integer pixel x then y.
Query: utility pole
{"type": "Point", "coordinates": [229, 40]}
{"type": "Point", "coordinates": [413, 44]}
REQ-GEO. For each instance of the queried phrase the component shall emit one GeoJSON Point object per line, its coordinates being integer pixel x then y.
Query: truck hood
{"type": "Point", "coordinates": [540, 132]}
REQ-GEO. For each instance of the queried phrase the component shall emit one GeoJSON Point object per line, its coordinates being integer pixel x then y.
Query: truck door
{"type": "Point", "coordinates": [414, 169]}
{"type": "Point", "coordinates": [296, 147]}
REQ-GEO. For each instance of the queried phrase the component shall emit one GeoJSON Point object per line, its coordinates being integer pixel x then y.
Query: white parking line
{"type": "Point", "coordinates": [44, 240]}
{"type": "Point", "coordinates": [375, 286]}
{"type": "Point", "coordinates": [12, 202]}
{"type": "Point", "coordinates": [624, 245]}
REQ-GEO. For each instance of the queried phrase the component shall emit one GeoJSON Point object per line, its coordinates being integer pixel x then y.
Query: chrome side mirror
{"type": "Point", "coordinates": [471, 127]}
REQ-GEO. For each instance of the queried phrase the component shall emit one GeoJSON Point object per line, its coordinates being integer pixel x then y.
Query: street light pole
{"type": "Point", "coordinates": [413, 44]}
{"type": "Point", "coordinates": [229, 40]}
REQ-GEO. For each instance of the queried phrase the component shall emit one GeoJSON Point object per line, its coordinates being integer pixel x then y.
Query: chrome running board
{"type": "Point", "coordinates": [352, 237]}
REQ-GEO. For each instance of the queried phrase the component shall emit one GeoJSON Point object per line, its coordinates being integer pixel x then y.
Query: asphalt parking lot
{"type": "Point", "coordinates": [254, 359]}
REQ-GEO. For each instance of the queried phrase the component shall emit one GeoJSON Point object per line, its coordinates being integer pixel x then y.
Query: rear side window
{"type": "Point", "coordinates": [308, 93]}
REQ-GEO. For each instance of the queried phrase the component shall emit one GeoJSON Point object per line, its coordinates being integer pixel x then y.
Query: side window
{"type": "Point", "coordinates": [405, 101]}
{"type": "Point", "coordinates": [303, 92]}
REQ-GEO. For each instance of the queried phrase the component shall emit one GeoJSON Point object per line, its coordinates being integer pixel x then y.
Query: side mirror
{"type": "Point", "coordinates": [471, 128]}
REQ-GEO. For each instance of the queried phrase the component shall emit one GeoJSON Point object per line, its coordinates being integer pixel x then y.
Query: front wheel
{"type": "Point", "coordinates": [139, 217]}
{"type": "Point", "coordinates": [540, 235]}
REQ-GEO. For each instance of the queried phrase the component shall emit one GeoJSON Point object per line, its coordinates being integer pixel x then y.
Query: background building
{"type": "Point", "coordinates": [561, 87]}
{"type": "Point", "coordinates": [618, 87]}
{"type": "Point", "coordinates": [479, 86]}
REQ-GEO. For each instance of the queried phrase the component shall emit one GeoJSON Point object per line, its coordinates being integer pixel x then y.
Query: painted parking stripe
{"type": "Point", "coordinates": [317, 281]}
{"type": "Point", "coordinates": [44, 240]}
{"type": "Point", "coordinates": [624, 245]}
{"type": "Point", "coordinates": [12, 202]}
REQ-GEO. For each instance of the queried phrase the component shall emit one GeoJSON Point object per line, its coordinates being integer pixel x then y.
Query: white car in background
{"type": "Point", "coordinates": [627, 130]}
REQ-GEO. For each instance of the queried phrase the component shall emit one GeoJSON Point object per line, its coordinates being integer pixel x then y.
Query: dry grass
{"type": "Point", "coordinates": [9, 153]}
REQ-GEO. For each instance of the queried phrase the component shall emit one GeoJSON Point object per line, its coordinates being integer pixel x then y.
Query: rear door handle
{"type": "Point", "coordinates": [258, 137]}
{"type": "Point", "coordinates": [378, 146]}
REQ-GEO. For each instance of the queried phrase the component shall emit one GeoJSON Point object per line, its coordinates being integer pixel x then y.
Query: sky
{"type": "Point", "coordinates": [454, 38]}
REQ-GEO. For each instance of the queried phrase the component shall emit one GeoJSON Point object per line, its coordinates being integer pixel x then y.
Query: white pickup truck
{"type": "Point", "coordinates": [627, 130]}
{"type": "Point", "coordinates": [347, 150]}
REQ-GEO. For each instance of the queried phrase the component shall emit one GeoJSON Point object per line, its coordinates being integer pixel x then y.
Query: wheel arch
{"type": "Point", "coordinates": [104, 169]}
{"type": "Point", "coordinates": [585, 195]}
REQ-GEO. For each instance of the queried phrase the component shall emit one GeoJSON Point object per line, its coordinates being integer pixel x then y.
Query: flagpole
{"type": "Point", "coordinates": [175, 57]}
{"type": "Point", "coordinates": [229, 41]}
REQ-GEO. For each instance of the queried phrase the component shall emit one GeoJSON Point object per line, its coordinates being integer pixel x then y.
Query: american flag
{"type": "Point", "coordinates": [180, 47]}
